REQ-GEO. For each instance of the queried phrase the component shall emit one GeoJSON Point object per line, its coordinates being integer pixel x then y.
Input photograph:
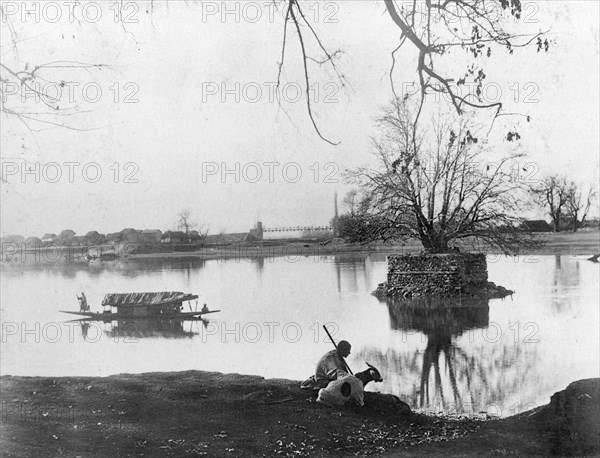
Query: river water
{"type": "Point", "coordinates": [460, 356]}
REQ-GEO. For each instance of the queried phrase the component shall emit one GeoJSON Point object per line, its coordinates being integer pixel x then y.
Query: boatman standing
{"type": "Point", "coordinates": [83, 305]}
{"type": "Point", "coordinates": [330, 367]}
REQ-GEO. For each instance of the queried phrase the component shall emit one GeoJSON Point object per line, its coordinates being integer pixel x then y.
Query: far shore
{"type": "Point", "coordinates": [581, 243]}
{"type": "Point", "coordinates": [562, 243]}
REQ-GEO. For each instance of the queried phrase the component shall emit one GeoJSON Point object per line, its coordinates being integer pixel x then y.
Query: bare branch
{"type": "Point", "coordinates": [306, 78]}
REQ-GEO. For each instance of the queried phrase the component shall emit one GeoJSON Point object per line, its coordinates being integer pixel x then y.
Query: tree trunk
{"type": "Point", "coordinates": [435, 243]}
{"type": "Point", "coordinates": [556, 221]}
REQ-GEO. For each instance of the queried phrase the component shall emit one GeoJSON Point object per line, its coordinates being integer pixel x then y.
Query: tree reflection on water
{"type": "Point", "coordinates": [467, 365]}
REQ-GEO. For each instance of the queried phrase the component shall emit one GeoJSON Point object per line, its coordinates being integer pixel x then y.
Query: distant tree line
{"type": "Point", "coordinates": [566, 202]}
{"type": "Point", "coordinates": [189, 233]}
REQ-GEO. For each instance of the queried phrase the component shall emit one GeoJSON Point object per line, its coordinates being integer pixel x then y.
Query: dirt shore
{"type": "Point", "coordinates": [230, 415]}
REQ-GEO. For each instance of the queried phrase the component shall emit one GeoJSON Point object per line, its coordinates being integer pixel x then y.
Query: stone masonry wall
{"type": "Point", "coordinates": [435, 275]}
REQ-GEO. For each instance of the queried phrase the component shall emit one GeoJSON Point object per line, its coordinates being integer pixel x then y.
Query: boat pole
{"type": "Point", "coordinates": [335, 345]}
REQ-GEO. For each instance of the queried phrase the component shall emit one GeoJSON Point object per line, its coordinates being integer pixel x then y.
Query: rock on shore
{"type": "Point", "coordinates": [573, 419]}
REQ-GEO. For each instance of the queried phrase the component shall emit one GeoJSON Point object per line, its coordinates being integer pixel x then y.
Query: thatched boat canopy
{"type": "Point", "coordinates": [160, 298]}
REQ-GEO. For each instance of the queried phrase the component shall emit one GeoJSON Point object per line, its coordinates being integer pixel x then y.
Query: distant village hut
{"type": "Point", "coordinates": [538, 225]}
{"type": "Point", "coordinates": [194, 236]}
{"type": "Point", "coordinates": [94, 238]}
{"type": "Point", "coordinates": [129, 235]}
{"type": "Point", "coordinates": [150, 236]}
{"type": "Point", "coordinates": [78, 240]}
{"type": "Point", "coordinates": [227, 239]}
{"type": "Point", "coordinates": [49, 238]}
{"type": "Point", "coordinates": [113, 238]}
{"type": "Point", "coordinates": [173, 237]}
{"type": "Point", "coordinates": [33, 243]}
{"type": "Point", "coordinates": [12, 239]}
{"type": "Point", "coordinates": [10, 245]}
{"type": "Point", "coordinates": [66, 236]}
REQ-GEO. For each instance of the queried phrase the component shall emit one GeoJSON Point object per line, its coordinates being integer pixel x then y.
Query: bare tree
{"type": "Point", "coordinates": [185, 222]}
{"type": "Point", "coordinates": [191, 228]}
{"type": "Point", "coordinates": [350, 201]}
{"type": "Point", "coordinates": [576, 203]}
{"type": "Point", "coordinates": [440, 191]}
{"type": "Point", "coordinates": [552, 194]}
{"type": "Point", "coordinates": [358, 225]}
{"type": "Point", "coordinates": [203, 232]}
{"type": "Point", "coordinates": [356, 202]}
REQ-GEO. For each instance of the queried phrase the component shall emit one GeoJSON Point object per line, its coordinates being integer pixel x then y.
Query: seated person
{"type": "Point", "coordinates": [330, 367]}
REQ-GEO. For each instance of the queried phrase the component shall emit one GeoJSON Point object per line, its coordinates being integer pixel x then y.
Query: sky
{"type": "Point", "coordinates": [182, 115]}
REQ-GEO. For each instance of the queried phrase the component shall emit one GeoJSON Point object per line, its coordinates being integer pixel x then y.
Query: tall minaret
{"type": "Point", "coordinates": [259, 226]}
{"type": "Point", "coordinates": [335, 216]}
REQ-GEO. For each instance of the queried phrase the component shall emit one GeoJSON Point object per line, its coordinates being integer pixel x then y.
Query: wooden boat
{"type": "Point", "coordinates": [162, 305]}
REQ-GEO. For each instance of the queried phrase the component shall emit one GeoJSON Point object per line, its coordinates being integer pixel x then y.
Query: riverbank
{"type": "Point", "coordinates": [583, 243]}
{"type": "Point", "coordinates": [197, 413]}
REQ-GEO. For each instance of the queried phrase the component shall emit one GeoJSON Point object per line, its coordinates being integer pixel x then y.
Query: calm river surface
{"type": "Point", "coordinates": [499, 356]}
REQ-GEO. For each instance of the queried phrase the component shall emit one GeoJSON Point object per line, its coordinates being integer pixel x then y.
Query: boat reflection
{"type": "Point", "coordinates": [144, 328]}
{"type": "Point", "coordinates": [154, 328]}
